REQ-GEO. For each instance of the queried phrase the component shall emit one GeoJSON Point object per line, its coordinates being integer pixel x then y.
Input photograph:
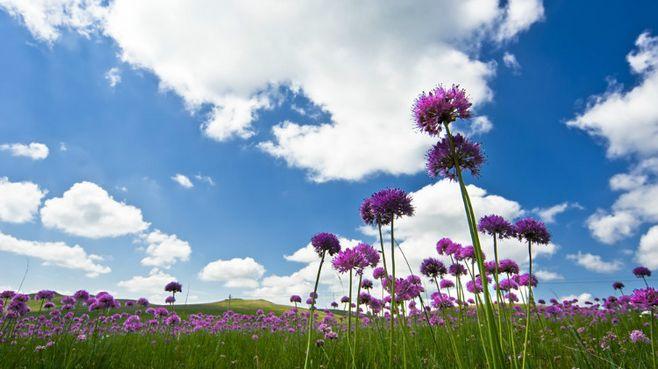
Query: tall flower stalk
{"type": "Point", "coordinates": [323, 243]}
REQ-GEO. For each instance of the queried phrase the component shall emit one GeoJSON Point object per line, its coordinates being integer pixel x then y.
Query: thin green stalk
{"type": "Point", "coordinates": [528, 304]}
{"type": "Point", "coordinates": [311, 311]}
{"type": "Point", "coordinates": [349, 322]}
{"type": "Point", "coordinates": [393, 307]}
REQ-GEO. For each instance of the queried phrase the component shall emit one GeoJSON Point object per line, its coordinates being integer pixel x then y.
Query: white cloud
{"type": "Point", "coordinates": [647, 253]}
{"type": "Point", "coordinates": [625, 181]}
{"type": "Point", "coordinates": [235, 273]}
{"type": "Point", "coordinates": [19, 201]}
{"type": "Point", "coordinates": [55, 253]}
{"type": "Point", "coordinates": [182, 180]}
{"type": "Point", "coordinates": [611, 227]}
{"type": "Point", "coordinates": [546, 275]}
{"type": "Point", "coordinates": [480, 125]}
{"type": "Point", "coordinates": [88, 210]}
{"type": "Point", "coordinates": [164, 250]}
{"type": "Point", "coordinates": [113, 76]}
{"type": "Point", "coordinates": [548, 214]}
{"type": "Point", "coordinates": [151, 285]}
{"type": "Point", "coordinates": [208, 179]}
{"type": "Point", "coordinates": [388, 51]}
{"type": "Point", "coordinates": [33, 150]}
{"type": "Point", "coordinates": [582, 298]}
{"type": "Point", "coordinates": [595, 263]}
{"type": "Point", "coordinates": [510, 62]}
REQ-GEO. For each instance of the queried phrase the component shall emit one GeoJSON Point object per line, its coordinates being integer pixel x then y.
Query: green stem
{"type": "Point", "coordinates": [528, 304]}
{"type": "Point", "coordinates": [393, 307]}
{"type": "Point", "coordinates": [311, 312]}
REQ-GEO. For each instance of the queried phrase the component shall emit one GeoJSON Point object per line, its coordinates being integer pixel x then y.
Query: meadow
{"type": "Point", "coordinates": [459, 308]}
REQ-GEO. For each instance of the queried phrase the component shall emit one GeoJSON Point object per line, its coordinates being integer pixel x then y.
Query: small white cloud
{"type": "Point", "coordinates": [627, 182]}
{"type": "Point", "coordinates": [595, 263]}
{"type": "Point", "coordinates": [182, 180]}
{"type": "Point", "coordinates": [55, 253]}
{"type": "Point", "coordinates": [151, 285]}
{"type": "Point", "coordinates": [647, 253]}
{"type": "Point", "coordinates": [548, 214]}
{"type": "Point", "coordinates": [546, 275]}
{"type": "Point", "coordinates": [33, 150]}
{"type": "Point", "coordinates": [164, 250]}
{"type": "Point", "coordinates": [612, 227]}
{"type": "Point", "coordinates": [582, 298]}
{"type": "Point", "coordinates": [63, 147]}
{"type": "Point", "coordinates": [510, 62]}
{"type": "Point", "coordinates": [113, 76]}
{"type": "Point", "coordinates": [236, 272]}
{"type": "Point", "coordinates": [87, 210]}
{"type": "Point", "coordinates": [519, 16]}
{"type": "Point", "coordinates": [208, 179]}
{"type": "Point", "coordinates": [19, 201]}
{"type": "Point", "coordinates": [480, 125]}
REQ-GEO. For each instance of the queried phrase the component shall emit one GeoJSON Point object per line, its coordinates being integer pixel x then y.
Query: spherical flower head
{"type": "Point", "coordinates": [408, 288]}
{"type": "Point", "coordinates": [645, 298]}
{"type": "Point", "coordinates": [349, 259]}
{"type": "Point", "coordinates": [345, 299]}
{"type": "Point", "coordinates": [364, 298]}
{"type": "Point", "coordinates": [142, 301]}
{"type": "Point", "coordinates": [367, 212]}
{"type": "Point", "coordinates": [507, 284]}
{"type": "Point", "coordinates": [296, 298]}
{"type": "Point", "coordinates": [390, 203]}
{"type": "Point", "coordinates": [366, 284]}
{"type": "Point", "coordinates": [325, 242]}
{"type": "Point", "coordinates": [446, 283]}
{"type": "Point", "coordinates": [618, 285]}
{"type": "Point", "coordinates": [378, 273]}
{"type": "Point", "coordinates": [642, 272]}
{"type": "Point", "coordinates": [334, 304]}
{"type": "Point", "coordinates": [466, 253]}
{"type": "Point", "coordinates": [474, 286]}
{"type": "Point", "coordinates": [170, 300]}
{"type": "Point", "coordinates": [532, 230]}
{"type": "Point", "coordinates": [496, 225]}
{"type": "Point", "coordinates": [457, 269]}
{"type": "Point", "coordinates": [7, 294]}
{"type": "Point", "coordinates": [432, 268]}
{"type": "Point", "coordinates": [527, 280]}
{"type": "Point", "coordinates": [174, 287]}
{"type": "Point", "coordinates": [370, 255]}
{"type": "Point", "coordinates": [441, 160]}
{"type": "Point", "coordinates": [81, 295]}
{"type": "Point", "coordinates": [45, 295]}
{"type": "Point", "coordinates": [440, 106]}
{"type": "Point", "coordinates": [172, 319]}
{"type": "Point", "coordinates": [637, 336]}
{"type": "Point", "coordinates": [490, 266]}
{"type": "Point", "coordinates": [442, 301]}
{"type": "Point", "coordinates": [508, 266]}
{"type": "Point", "coordinates": [511, 296]}
{"type": "Point", "coordinates": [445, 246]}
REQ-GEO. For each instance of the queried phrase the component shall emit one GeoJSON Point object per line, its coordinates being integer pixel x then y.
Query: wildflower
{"type": "Point", "coordinates": [170, 300]}
{"type": "Point", "coordinates": [442, 301]}
{"type": "Point", "coordinates": [142, 301]}
{"type": "Point", "coordinates": [441, 157]}
{"type": "Point", "coordinates": [532, 230]}
{"type": "Point", "coordinates": [526, 280]}
{"type": "Point", "coordinates": [457, 269]}
{"type": "Point", "coordinates": [366, 284]}
{"type": "Point", "coordinates": [81, 295]}
{"type": "Point", "coordinates": [618, 286]}
{"type": "Point", "coordinates": [325, 242]}
{"type": "Point", "coordinates": [642, 272]}
{"type": "Point", "coordinates": [370, 255]}
{"type": "Point", "coordinates": [7, 294]}
{"type": "Point", "coordinates": [173, 287]}
{"type": "Point", "coordinates": [445, 246]}
{"type": "Point", "coordinates": [638, 336]}
{"type": "Point", "coordinates": [45, 295]}
{"type": "Point", "coordinates": [508, 266]}
{"type": "Point", "coordinates": [345, 299]}
{"type": "Point", "coordinates": [349, 259]}
{"type": "Point", "coordinates": [334, 304]}
{"type": "Point", "coordinates": [644, 298]}
{"type": "Point", "coordinates": [474, 286]}
{"type": "Point", "coordinates": [495, 225]}
{"type": "Point", "coordinates": [446, 283]}
{"type": "Point", "coordinates": [432, 268]}
{"type": "Point", "coordinates": [378, 273]}
{"type": "Point", "coordinates": [295, 299]}
{"type": "Point", "coordinates": [390, 203]}
{"type": "Point", "coordinates": [172, 319]}
{"type": "Point", "coordinates": [440, 106]}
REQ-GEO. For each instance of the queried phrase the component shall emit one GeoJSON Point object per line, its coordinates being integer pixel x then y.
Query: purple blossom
{"type": "Point", "coordinates": [446, 246]}
{"type": "Point", "coordinates": [349, 259]}
{"type": "Point", "coordinates": [81, 295]}
{"type": "Point", "coordinates": [457, 269]}
{"type": "Point", "coordinates": [173, 287]}
{"type": "Point", "coordinates": [45, 295]}
{"type": "Point", "coordinates": [325, 242]}
{"type": "Point", "coordinates": [496, 225]}
{"type": "Point", "coordinates": [170, 300]}
{"type": "Point", "coordinates": [440, 106]}
{"type": "Point", "coordinates": [378, 273]}
{"type": "Point", "coordinates": [442, 301]}
{"type": "Point", "coordinates": [446, 283]}
{"type": "Point", "coordinates": [441, 159]}
{"type": "Point", "coordinates": [370, 255]}
{"type": "Point", "coordinates": [644, 298]}
{"type": "Point", "coordinates": [432, 268]}
{"type": "Point", "coordinates": [142, 301]}
{"type": "Point", "coordinates": [345, 299]}
{"type": "Point", "coordinates": [296, 299]}
{"type": "Point", "coordinates": [366, 284]}
{"type": "Point", "coordinates": [526, 279]}
{"type": "Point", "coordinates": [637, 336]}
{"type": "Point", "coordinates": [618, 285]}
{"type": "Point", "coordinates": [642, 272]}
{"type": "Point", "coordinates": [508, 266]}
{"type": "Point", "coordinates": [532, 231]}
{"type": "Point", "coordinates": [7, 294]}
{"type": "Point", "coordinates": [390, 203]}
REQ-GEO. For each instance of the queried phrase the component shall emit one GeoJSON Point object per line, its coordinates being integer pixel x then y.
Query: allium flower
{"type": "Point", "coordinates": [81, 295]}
{"type": "Point", "coordinates": [296, 299]}
{"type": "Point", "coordinates": [466, 253]}
{"type": "Point", "coordinates": [638, 336]}
{"type": "Point", "coordinates": [45, 295]}
{"type": "Point", "coordinates": [7, 294]}
{"type": "Point", "coordinates": [170, 300]}
{"type": "Point", "coordinates": [345, 299]}
{"type": "Point", "coordinates": [508, 266]}
{"type": "Point", "coordinates": [533, 231]}
{"type": "Point", "coordinates": [49, 305]}
{"type": "Point", "coordinates": [441, 160]}
{"type": "Point", "coordinates": [527, 279]}
{"type": "Point", "coordinates": [370, 255]}
{"type": "Point", "coordinates": [172, 319]}
{"type": "Point", "coordinates": [474, 286]}
{"type": "Point", "coordinates": [389, 203]}
{"type": "Point", "coordinates": [349, 259]}
{"type": "Point", "coordinates": [366, 284]}
{"type": "Point", "coordinates": [511, 297]}
{"type": "Point", "coordinates": [618, 285]}
{"type": "Point", "coordinates": [445, 246]}
{"type": "Point", "coordinates": [440, 106]}
{"type": "Point", "coordinates": [325, 242]}
{"type": "Point", "coordinates": [446, 283]}
{"type": "Point", "coordinates": [378, 273]}
{"type": "Point", "coordinates": [142, 301]}
{"type": "Point", "coordinates": [442, 301]}
{"type": "Point", "coordinates": [432, 268]}
{"type": "Point", "coordinates": [507, 284]}
{"type": "Point", "coordinates": [334, 304]}
{"type": "Point", "coordinates": [457, 269]}
{"type": "Point", "coordinates": [408, 288]}
{"type": "Point", "coordinates": [367, 212]}
{"type": "Point", "coordinates": [642, 272]}
{"type": "Point", "coordinates": [364, 298]}
{"type": "Point", "coordinates": [496, 225]}
{"type": "Point", "coordinates": [173, 287]}
{"type": "Point", "coordinates": [645, 298]}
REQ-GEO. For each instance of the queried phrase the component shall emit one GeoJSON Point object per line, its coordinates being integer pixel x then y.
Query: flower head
{"type": "Point", "coordinates": [638, 336]}
{"type": "Point", "coordinates": [45, 295]}
{"type": "Point", "coordinates": [642, 272]}
{"type": "Point", "coordinates": [349, 259]}
{"type": "Point", "coordinates": [296, 298]}
{"type": "Point", "coordinates": [618, 285]}
{"type": "Point", "coordinates": [432, 268]}
{"type": "Point", "coordinates": [440, 106]}
{"type": "Point", "coordinates": [457, 269]}
{"type": "Point", "coordinates": [370, 255]}
{"type": "Point", "coordinates": [441, 160]}
{"type": "Point", "coordinates": [508, 266]}
{"type": "Point", "coordinates": [496, 225]}
{"type": "Point", "coordinates": [390, 203]}
{"type": "Point", "coordinates": [174, 287]}
{"type": "Point", "coordinates": [367, 212]}
{"type": "Point", "coordinates": [170, 300]}
{"type": "Point", "coordinates": [533, 231]}
{"type": "Point", "coordinates": [366, 284]}
{"type": "Point", "coordinates": [446, 283]}
{"type": "Point", "coordinates": [81, 295]}
{"type": "Point", "coordinates": [445, 246]}
{"type": "Point", "coordinates": [645, 298]}
{"type": "Point", "coordinates": [325, 242]}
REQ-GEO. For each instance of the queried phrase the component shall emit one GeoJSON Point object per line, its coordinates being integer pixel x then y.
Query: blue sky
{"type": "Point", "coordinates": [283, 125]}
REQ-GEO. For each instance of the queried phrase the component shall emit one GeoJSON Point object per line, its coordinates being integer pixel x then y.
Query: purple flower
{"type": "Point", "coordinates": [507, 284]}
{"type": "Point", "coordinates": [441, 160]}
{"type": "Point", "coordinates": [638, 336]}
{"type": "Point", "coordinates": [142, 301]}
{"type": "Point", "coordinates": [432, 268]}
{"type": "Point", "coordinates": [618, 285]}
{"type": "Point", "coordinates": [642, 272]}
{"type": "Point", "coordinates": [378, 273]}
{"type": "Point", "coordinates": [173, 287]}
{"type": "Point", "coordinates": [440, 106]}
{"type": "Point", "coordinates": [474, 286]}
{"type": "Point", "coordinates": [367, 212]}
{"type": "Point", "coordinates": [527, 279]}
{"type": "Point", "coordinates": [457, 269]}
{"type": "Point", "coordinates": [170, 300]}
{"type": "Point", "coordinates": [325, 242]}
{"type": "Point", "coordinates": [366, 284]}
{"type": "Point", "coordinates": [364, 298]}
{"type": "Point", "coordinates": [446, 283]}
{"type": "Point", "coordinates": [172, 319]}
{"type": "Point", "coordinates": [466, 253]}
{"type": "Point", "coordinates": [296, 298]}
{"type": "Point", "coordinates": [445, 246]}
{"type": "Point", "coordinates": [345, 299]}
{"type": "Point", "coordinates": [349, 259]}
{"type": "Point", "coordinates": [390, 203]}
{"type": "Point", "coordinates": [442, 301]}
{"type": "Point", "coordinates": [508, 266]}
{"type": "Point", "coordinates": [496, 225]}
{"type": "Point", "coordinates": [81, 295]}
{"type": "Point", "coordinates": [645, 298]}
{"type": "Point", "coordinates": [45, 295]}
{"type": "Point", "coordinates": [334, 304]}
{"type": "Point", "coordinates": [7, 294]}
{"type": "Point", "coordinates": [533, 231]}
{"type": "Point", "coordinates": [370, 255]}
{"type": "Point", "coordinates": [408, 288]}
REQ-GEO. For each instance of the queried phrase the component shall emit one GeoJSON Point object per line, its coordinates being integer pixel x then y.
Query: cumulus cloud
{"type": "Point", "coordinates": [164, 250]}
{"type": "Point", "coordinates": [510, 62]}
{"type": "Point", "coordinates": [151, 285]}
{"type": "Point", "coordinates": [19, 201]}
{"type": "Point", "coordinates": [582, 298]}
{"type": "Point", "coordinates": [55, 253]}
{"type": "Point", "coordinates": [595, 263]}
{"type": "Point", "coordinates": [547, 275]}
{"type": "Point", "coordinates": [113, 76]}
{"type": "Point", "coordinates": [207, 179]}
{"type": "Point", "coordinates": [34, 150]}
{"type": "Point", "coordinates": [548, 214]}
{"type": "Point", "coordinates": [87, 210]}
{"type": "Point", "coordinates": [235, 273]}
{"type": "Point", "coordinates": [388, 51]}
{"type": "Point", "coordinates": [647, 253]}
{"type": "Point", "coordinates": [182, 180]}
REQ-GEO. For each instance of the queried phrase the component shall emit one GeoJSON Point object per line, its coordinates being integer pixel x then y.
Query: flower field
{"type": "Point", "coordinates": [459, 308]}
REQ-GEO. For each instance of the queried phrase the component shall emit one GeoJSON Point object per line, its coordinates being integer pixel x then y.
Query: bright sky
{"type": "Point", "coordinates": [207, 141]}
